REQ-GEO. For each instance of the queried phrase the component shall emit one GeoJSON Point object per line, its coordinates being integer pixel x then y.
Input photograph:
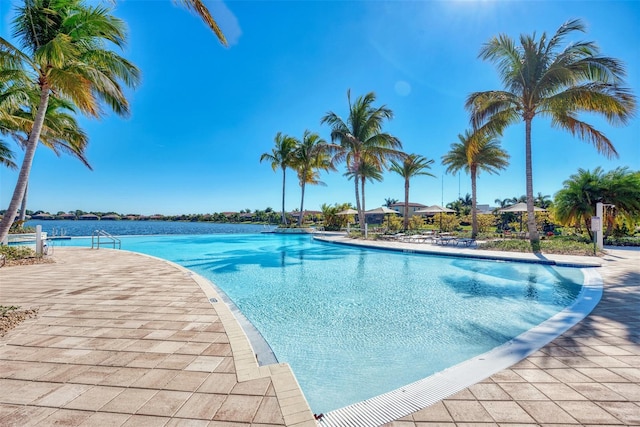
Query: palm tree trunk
{"type": "Point", "coordinates": [531, 219]}
{"type": "Point", "coordinates": [474, 216]}
{"type": "Point", "coordinates": [301, 204]}
{"type": "Point", "coordinates": [23, 206]}
{"type": "Point", "coordinates": [25, 169]}
{"type": "Point", "coordinates": [284, 176]}
{"type": "Point", "coordinates": [362, 182]}
{"type": "Point", "coordinates": [358, 206]}
{"type": "Point", "coordinates": [406, 204]}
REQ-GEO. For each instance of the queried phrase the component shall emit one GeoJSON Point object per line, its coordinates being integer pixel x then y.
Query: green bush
{"type": "Point", "coordinates": [622, 241]}
{"type": "Point", "coordinates": [17, 252]}
{"type": "Point", "coordinates": [549, 246]}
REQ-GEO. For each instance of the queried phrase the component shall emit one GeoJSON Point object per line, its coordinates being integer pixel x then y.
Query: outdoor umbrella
{"type": "Point", "coordinates": [434, 210]}
{"type": "Point", "coordinates": [348, 212]}
{"type": "Point", "coordinates": [519, 208]}
{"type": "Point", "coordinates": [381, 210]}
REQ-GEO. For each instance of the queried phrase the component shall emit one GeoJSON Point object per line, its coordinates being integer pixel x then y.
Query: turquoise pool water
{"type": "Point", "coordinates": [355, 323]}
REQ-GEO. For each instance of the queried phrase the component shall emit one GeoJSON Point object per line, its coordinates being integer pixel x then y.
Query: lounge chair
{"type": "Point", "coordinates": [465, 242]}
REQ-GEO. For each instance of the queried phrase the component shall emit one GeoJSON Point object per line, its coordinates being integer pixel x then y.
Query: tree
{"type": "Point", "coordinates": [361, 140]}
{"type": "Point", "coordinates": [311, 156]}
{"type": "Point", "coordinates": [541, 79]}
{"type": "Point", "coordinates": [475, 152]}
{"type": "Point", "coordinates": [543, 201]}
{"type": "Point", "coordinates": [64, 50]}
{"type": "Point", "coordinates": [388, 202]}
{"type": "Point", "coordinates": [6, 156]}
{"type": "Point", "coordinates": [201, 10]}
{"type": "Point", "coordinates": [364, 171]}
{"type": "Point", "coordinates": [413, 165]}
{"type": "Point", "coordinates": [282, 156]}
{"type": "Point", "coordinates": [60, 131]}
{"type": "Point", "coordinates": [576, 202]}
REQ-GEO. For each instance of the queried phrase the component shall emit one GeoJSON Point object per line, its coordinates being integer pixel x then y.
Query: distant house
{"type": "Point", "coordinates": [89, 216]}
{"type": "Point", "coordinates": [247, 216]}
{"type": "Point", "coordinates": [43, 216]}
{"type": "Point", "coordinates": [156, 217]}
{"type": "Point", "coordinates": [67, 216]}
{"type": "Point", "coordinates": [130, 217]}
{"type": "Point", "coordinates": [399, 207]}
{"type": "Point", "coordinates": [111, 217]}
{"type": "Point", "coordinates": [485, 209]}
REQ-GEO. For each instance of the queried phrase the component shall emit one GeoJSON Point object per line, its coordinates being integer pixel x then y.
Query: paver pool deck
{"type": "Point", "coordinates": [126, 339]}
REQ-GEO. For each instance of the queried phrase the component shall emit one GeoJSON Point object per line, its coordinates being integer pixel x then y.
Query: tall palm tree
{"type": "Point", "coordinates": [361, 140]}
{"type": "Point", "coordinates": [282, 156]}
{"type": "Point", "coordinates": [413, 165]}
{"type": "Point", "coordinates": [541, 79]}
{"type": "Point", "coordinates": [476, 151]}
{"type": "Point", "coordinates": [364, 170]}
{"type": "Point", "coordinates": [65, 50]}
{"type": "Point", "coordinates": [311, 156]}
{"type": "Point", "coordinates": [60, 131]}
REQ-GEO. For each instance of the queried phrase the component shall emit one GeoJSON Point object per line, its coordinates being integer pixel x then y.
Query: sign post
{"type": "Point", "coordinates": [596, 229]}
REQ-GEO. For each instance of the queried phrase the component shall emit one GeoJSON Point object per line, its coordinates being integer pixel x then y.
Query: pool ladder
{"type": "Point", "coordinates": [97, 234]}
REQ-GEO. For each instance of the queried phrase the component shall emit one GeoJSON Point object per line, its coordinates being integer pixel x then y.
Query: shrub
{"type": "Point", "coordinates": [549, 246]}
{"type": "Point", "coordinates": [416, 222]}
{"type": "Point", "coordinates": [622, 241]}
{"type": "Point", "coordinates": [394, 223]}
{"type": "Point", "coordinates": [449, 222]}
{"type": "Point", "coordinates": [17, 252]}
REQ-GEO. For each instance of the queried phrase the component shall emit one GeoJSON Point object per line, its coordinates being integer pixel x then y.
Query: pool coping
{"type": "Point", "coordinates": [417, 248]}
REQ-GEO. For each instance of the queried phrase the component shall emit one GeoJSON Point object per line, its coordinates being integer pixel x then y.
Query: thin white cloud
{"type": "Point", "coordinates": [227, 21]}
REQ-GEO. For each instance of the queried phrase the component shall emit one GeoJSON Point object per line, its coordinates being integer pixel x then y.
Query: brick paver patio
{"type": "Point", "coordinates": [125, 339]}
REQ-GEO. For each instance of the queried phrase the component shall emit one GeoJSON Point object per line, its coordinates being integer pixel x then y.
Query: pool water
{"type": "Point", "coordinates": [354, 323]}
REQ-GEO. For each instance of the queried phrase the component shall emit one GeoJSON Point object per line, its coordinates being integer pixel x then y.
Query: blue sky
{"type": "Point", "coordinates": [204, 114]}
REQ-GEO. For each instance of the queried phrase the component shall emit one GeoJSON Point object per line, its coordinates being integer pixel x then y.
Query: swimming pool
{"type": "Point", "coordinates": [355, 323]}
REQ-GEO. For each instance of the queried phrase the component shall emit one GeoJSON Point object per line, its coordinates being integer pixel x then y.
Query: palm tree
{"type": "Point", "coordinates": [413, 165]}
{"type": "Point", "coordinates": [476, 151]}
{"type": "Point", "coordinates": [388, 202]}
{"type": "Point", "coordinates": [65, 51]}
{"type": "Point", "coordinates": [576, 202]}
{"type": "Point", "coordinates": [503, 202]}
{"type": "Point", "coordinates": [543, 201]}
{"type": "Point", "coordinates": [201, 10]}
{"type": "Point", "coordinates": [6, 156]}
{"type": "Point", "coordinates": [364, 171]}
{"type": "Point", "coordinates": [60, 132]}
{"type": "Point", "coordinates": [282, 156]}
{"type": "Point", "coordinates": [361, 141]}
{"type": "Point", "coordinates": [312, 155]}
{"type": "Point", "coordinates": [541, 79]}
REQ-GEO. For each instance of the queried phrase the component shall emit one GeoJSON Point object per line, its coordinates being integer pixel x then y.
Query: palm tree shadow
{"type": "Point", "coordinates": [280, 257]}
{"type": "Point", "coordinates": [613, 318]}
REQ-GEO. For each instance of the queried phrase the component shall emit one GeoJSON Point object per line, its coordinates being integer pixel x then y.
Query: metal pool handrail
{"type": "Point", "coordinates": [95, 239]}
